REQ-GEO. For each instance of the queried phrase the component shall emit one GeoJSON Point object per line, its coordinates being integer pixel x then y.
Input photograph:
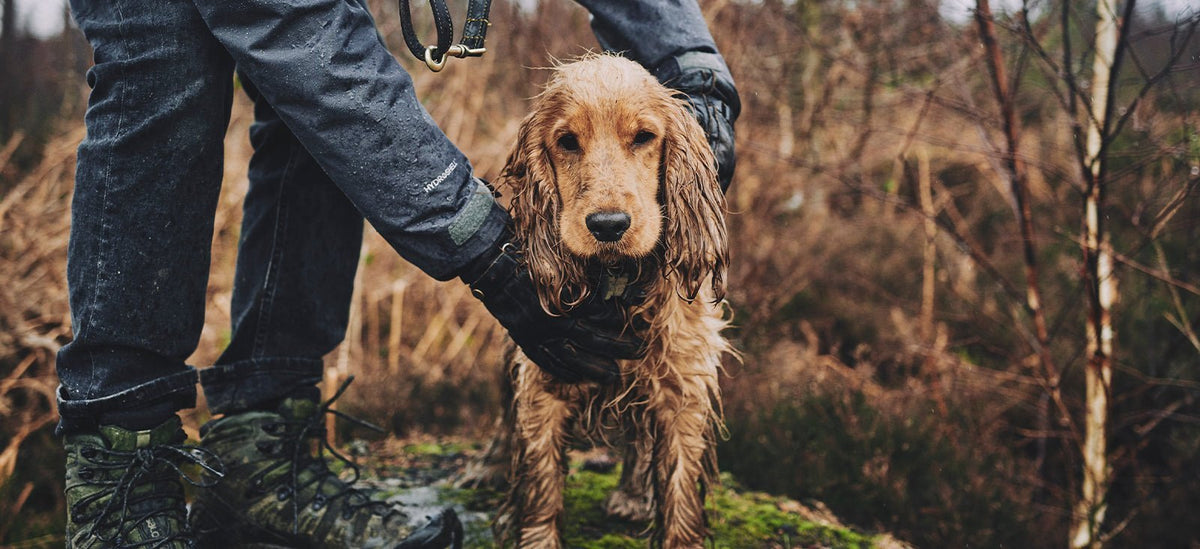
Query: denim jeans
{"type": "Point", "coordinates": [339, 136]}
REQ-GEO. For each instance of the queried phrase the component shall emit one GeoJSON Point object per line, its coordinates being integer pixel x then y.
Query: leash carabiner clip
{"type": "Point", "coordinates": [474, 33]}
{"type": "Point", "coordinates": [456, 50]}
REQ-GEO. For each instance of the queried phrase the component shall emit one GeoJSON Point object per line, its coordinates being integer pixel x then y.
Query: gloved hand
{"type": "Point", "coordinates": [583, 345]}
{"type": "Point", "coordinates": [715, 102]}
{"type": "Point", "coordinates": [717, 120]}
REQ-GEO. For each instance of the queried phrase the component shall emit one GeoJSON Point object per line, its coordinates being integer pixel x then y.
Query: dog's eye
{"type": "Point", "coordinates": [643, 137]}
{"type": "Point", "coordinates": [568, 142]}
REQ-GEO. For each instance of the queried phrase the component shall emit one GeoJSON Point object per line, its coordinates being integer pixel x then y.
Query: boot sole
{"type": "Point", "coordinates": [214, 527]}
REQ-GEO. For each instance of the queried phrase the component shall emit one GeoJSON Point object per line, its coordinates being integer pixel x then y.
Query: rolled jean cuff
{"type": "Point", "coordinates": [255, 383]}
{"type": "Point", "coordinates": [162, 396]}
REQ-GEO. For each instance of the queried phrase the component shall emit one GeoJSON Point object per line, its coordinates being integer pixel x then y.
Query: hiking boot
{"type": "Point", "coordinates": [277, 493]}
{"type": "Point", "coordinates": [124, 487]}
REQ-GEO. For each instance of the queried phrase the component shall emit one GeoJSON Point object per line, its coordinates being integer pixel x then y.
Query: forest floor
{"type": "Point", "coordinates": [421, 472]}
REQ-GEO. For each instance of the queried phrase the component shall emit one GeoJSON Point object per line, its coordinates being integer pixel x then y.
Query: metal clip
{"type": "Point", "coordinates": [457, 50]}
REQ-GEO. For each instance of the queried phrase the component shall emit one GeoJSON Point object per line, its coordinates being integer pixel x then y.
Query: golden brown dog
{"type": "Point", "coordinates": [612, 180]}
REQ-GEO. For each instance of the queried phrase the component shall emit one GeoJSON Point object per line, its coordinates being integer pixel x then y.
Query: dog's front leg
{"type": "Point", "coordinates": [535, 497]}
{"type": "Point", "coordinates": [633, 499]}
{"type": "Point", "coordinates": [683, 454]}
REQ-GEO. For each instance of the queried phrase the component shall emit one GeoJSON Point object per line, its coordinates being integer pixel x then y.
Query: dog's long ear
{"type": "Point", "coordinates": [535, 206]}
{"type": "Point", "coordinates": [695, 243]}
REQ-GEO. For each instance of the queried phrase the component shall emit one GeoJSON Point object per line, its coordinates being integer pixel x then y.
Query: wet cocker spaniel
{"type": "Point", "coordinates": [614, 188]}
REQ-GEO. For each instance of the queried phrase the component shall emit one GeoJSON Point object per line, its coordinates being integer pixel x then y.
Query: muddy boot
{"type": "Point", "coordinates": [276, 493]}
{"type": "Point", "coordinates": [123, 487]}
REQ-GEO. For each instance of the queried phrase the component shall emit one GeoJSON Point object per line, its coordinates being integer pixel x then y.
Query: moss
{"type": "Point", "coordinates": [426, 449]}
{"type": "Point", "coordinates": [753, 519]}
{"type": "Point", "coordinates": [613, 541]}
{"type": "Point", "coordinates": [738, 518]}
{"type": "Point", "coordinates": [585, 525]}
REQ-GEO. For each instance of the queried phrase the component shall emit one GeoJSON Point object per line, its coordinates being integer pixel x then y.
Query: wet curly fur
{"type": "Point", "coordinates": [605, 136]}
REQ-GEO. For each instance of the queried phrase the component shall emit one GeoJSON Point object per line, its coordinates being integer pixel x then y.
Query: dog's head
{"type": "Point", "coordinates": [610, 168]}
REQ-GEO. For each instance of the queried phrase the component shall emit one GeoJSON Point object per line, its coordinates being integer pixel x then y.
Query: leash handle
{"type": "Point", "coordinates": [434, 56]}
{"type": "Point", "coordinates": [475, 29]}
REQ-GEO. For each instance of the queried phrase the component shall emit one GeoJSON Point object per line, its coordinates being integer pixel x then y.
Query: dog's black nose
{"type": "Point", "coordinates": [608, 226]}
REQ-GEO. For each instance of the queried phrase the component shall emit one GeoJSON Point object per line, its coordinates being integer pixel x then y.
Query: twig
{"type": "Point", "coordinates": [11, 147]}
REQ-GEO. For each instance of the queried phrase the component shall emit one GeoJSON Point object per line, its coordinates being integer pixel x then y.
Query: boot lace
{"type": "Point", "coordinates": [127, 507]}
{"type": "Point", "coordinates": [294, 453]}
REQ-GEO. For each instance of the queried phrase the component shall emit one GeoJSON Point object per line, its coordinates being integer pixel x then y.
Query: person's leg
{"type": "Point", "coordinates": [297, 255]}
{"type": "Point", "coordinates": [147, 182]}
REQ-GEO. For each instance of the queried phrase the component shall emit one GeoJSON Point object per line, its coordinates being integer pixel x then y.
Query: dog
{"type": "Point", "coordinates": [614, 187]}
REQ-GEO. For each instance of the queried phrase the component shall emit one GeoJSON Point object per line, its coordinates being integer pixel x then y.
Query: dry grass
{"type": "Point", "coordinates": [34, 220]}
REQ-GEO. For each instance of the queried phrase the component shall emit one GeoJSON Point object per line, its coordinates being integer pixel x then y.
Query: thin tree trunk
{"type": "Point", "coordinates": [929, 272]}
{"type": "Point", "coordinates": [1101, 292]}
{"type": "Point", "coordinates": [349, 349]}
{"type": "Point", "coordinates": [395, 326]}
{"type": "Point", "coordinates": [1019, 185]}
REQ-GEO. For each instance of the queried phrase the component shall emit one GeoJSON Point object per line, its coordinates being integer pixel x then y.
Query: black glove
{"type": "Point", "coordinates": [714, 101]}
{"type": "Point", "coordinates": [714, 116]}
{"type": "Point", "coordinates": [583, 345]}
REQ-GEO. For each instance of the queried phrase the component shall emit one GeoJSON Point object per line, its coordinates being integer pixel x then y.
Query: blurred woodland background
{"type": "Point", "coordinates": [938, 340]}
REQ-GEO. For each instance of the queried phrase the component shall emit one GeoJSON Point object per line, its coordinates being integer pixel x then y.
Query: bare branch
{"type": "Point", "coordinates": [1020, 190]}
{"type": "Point", "coordinates": [1151, 81]}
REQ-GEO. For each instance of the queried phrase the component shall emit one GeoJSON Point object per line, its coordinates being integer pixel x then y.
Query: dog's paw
{"type": "Point", "coordinates": [624, 506]}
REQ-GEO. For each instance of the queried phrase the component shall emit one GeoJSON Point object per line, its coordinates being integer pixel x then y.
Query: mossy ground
{"type": "Point", "coordinates": [738, 518]}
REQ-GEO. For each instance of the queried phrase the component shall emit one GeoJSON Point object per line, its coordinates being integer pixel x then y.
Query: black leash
{"type": "Point", "coordinates": [473, 33]}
